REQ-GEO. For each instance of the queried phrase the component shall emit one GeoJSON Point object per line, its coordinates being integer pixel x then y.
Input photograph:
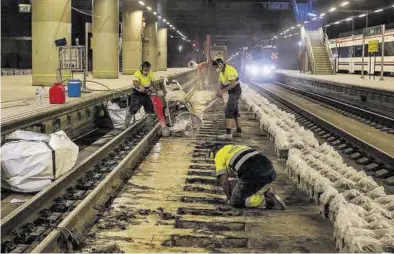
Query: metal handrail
{"type": "Point", "coordinates": [326, 43]}
{"type": "Point", "coordinates": [308, 44]}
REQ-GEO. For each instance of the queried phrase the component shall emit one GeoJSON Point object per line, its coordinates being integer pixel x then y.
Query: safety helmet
{"type": "Point", "coordinates": [218, 62]}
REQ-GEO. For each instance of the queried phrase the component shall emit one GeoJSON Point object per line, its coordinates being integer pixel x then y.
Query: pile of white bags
{"type": "Point", "coordinates": [121, 117]}
{"type": "Point", "coordinates": [358, 207]}
{"type": "Point", "coordinates": [31, 161]}
{"type": "Point", "coordinates": [280, 126]}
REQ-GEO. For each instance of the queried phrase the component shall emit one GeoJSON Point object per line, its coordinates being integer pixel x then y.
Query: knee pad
{"type": "Point", "coordinates": [254, 200]}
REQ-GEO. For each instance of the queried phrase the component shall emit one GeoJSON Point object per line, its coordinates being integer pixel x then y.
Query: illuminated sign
{"type": "Point", "coordinates": [25, 8]}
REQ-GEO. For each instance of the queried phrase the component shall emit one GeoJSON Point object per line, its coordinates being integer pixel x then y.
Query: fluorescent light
{"type": "Point", "coordinates": [362, 15]}
{"type": "Point", "coordinates": [314, 18]}
{"type": "Point", "coordinates": [171, 36]}
{"type": "Point", "coordinates": [379, 10]}
{"type": "Point", "coordinates": [344, 3]}
{"type": "Point", "coordinates": [321, 17]}
{"type": "Point", "coordinates": [155, 13]}
{"type": "Point", "coordinates": [322, 14]}
{"type": "Point", "coordinates": [328, 25]}
{"type": "Point", "coordinates": [306, 22]}
{"type": "Point", "coordinates": [164, 20]}
{"type": "Point", "coordinates": [168, 23]}
{"type": "Point", "coordinates": [312, 14]}
{"type": "Point", "coordinates": [149, 8]}
{"type": "Point", "coordinates": [292, 27]}
{"type": "Point", "coordinates": [281, 33]}
{"type": "Point", "coordinates": [349, 19]}
{"type": "Point", "coordinates": [286, 36]}
{"type": "Point", "coordinates": [299, 25]}
{"type": "Point", "coordinates": [332, 9]}
{"type": "Point", "coordinates": [160, 17]}
{"type": "Point", "coordinates": [141, 3]}
{"type": "Point", "coordinates": [338, 22]}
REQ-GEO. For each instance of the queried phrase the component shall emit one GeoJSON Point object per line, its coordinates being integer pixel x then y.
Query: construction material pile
{"type": "Point", "coordinates": [358, 207]}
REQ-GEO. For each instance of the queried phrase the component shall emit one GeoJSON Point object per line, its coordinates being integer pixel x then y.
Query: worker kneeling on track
{"type": "Point", "coordinates": [140, 97]}
{"type": "Point", "coordinates": [253, 170]}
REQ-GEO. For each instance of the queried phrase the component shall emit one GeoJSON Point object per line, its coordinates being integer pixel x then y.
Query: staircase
{"type": "Point", "coordinates": [320, 55]}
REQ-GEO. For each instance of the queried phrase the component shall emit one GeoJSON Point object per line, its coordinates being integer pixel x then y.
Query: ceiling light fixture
{"type": "Point", "coordinates": [338, 22]}
{"type": "Point", "coordinates": [362, 15]}
{"type": "Point", "coordinates": [149, 8]}
{"type": "Point", "coordinates": [306, 22]}
{"type": "Point", "coordinates": [344, 3]}
{"type": "Point", "coordinates": [164, 20]}
{"type": "Point", "coordinates": [378, 10]}
{"type": "Point", "coordinates": [159, 17]}
{"type": "Point", "coordinates": [349, 19]}
{"type": "Point", "coordinates": [141, 3]}
{"type": "Point", "coordinates": [332, 9]}
{"type": "Point", "coordinates": [314, 18]}
{"type": "Point", "coordinates": [322, 14]}
{"type": "Point", "coordinates": [155, 13]}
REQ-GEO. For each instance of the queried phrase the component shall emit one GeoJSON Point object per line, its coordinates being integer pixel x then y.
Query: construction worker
{"type": "Point", "coordinates": [142, 83]}
{"type": "Point", "coordinates": [229, 83]}
{"type": "Point", "coordinates": [253, 171]}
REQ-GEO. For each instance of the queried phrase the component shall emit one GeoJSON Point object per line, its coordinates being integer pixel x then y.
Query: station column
{"type": "Point", "coordinates": [132, 40]}
{"type": "Point", "coordinates": [105, 38]}
{"type": "Point", "coordinates": [150, 45]}
{"type": "Point", "coordinates": [51, 20]}
{"type": "Point", "coordinates": [162, 37]}
{"type": "Point", "coordinates": [162, 49]}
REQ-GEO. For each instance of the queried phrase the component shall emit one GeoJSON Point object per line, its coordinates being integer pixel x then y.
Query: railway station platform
{"type": "Point", "coordinates": [353, 80]}
{"type": "Point", "coordinates": [17, 92]}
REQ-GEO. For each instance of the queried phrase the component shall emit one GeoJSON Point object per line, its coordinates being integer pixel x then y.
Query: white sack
{"type": "Point", "coordinates": [27, 166]}
{"type": "Point", "coordinates": [28, 135]}
{"type": "Point", "coordinates": [66, 152]}
{"type": "Point", "coordinates": [118, 115]}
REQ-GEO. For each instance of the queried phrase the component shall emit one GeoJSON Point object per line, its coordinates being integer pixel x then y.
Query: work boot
{"type": "Point", "coordinates": [150, 121]}
{"type": "Point", "coordinates": [238, 135]}
{"type": "Point", "coordinates": [273, 201]}
{"type": "Point", "coordinates": [225, 137]}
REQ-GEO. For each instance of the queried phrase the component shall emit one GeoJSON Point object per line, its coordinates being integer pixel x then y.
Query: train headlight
{"type": "Point", "coordinates": [266, 70]}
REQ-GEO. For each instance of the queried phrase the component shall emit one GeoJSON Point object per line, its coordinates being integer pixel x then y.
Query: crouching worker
{"type": "Point", "coordinates": [140, 97]}
{"type": "Point", "coordinates": [253, 171]}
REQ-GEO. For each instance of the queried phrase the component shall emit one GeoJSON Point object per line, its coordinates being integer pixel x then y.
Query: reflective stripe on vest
{"type": "Point", "coordinates": [239, 156]}
{"type": "Point", "coordinates": [236, 156]}
{"type": "Point", "coordinates": [243, 159]}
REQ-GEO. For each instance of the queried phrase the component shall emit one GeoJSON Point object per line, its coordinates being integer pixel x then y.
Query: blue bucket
{"type": "Point", "coordinates": [74, 88]}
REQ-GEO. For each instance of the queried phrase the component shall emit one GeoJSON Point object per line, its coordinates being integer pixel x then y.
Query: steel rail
{"type": "Point", "coordinates": [324, 100]}
{"type": "Point", "coordinates": [29, 211]}
{"type": "Point", "coordinates": [376, 153]}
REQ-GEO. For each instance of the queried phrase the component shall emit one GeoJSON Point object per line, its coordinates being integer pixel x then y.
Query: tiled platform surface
{"type": "Point", "coordinates": [17, 93]}
{"type": "Point", "coordinates": [346, 79]}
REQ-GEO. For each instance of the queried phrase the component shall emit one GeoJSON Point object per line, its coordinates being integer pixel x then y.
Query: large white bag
{"type": "Point", "coordinates": [28, 165]}
{"type": "Point", "coordinates": [118, 115]}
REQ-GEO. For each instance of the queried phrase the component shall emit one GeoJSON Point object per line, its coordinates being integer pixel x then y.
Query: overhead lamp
{"type": "Point", "coordinates": [299, 25]}
{"type": "Point", "coordinates": [349, 19]}
{"type": "Point", "coordinates": [168, 23]}
{"type": "Point", "coordinates": [292, 27]}
{"type": "Point", "coordinates": [281, 33]}
{"type": "Point", "coordinates": [159, 17]}
{"type": "Point", "coordinates": [314, 18]}
{"type": "Point", "coordinates": [149, 8]}
{"type": "Point", "coordinates": [312, 14]}
{"type": "Point", "coordinates": [362, 15]}
{"type": "Point", "coordinates": [344, 3]}
{"type": "Point", "coordinates": [141, 3]}
{"type": "Point", "coordinates": [338, 22]}
{"type": "Point", "coordinates": [328, 25]}
{"type": "Point", "coordinates": [285, 36]}
{"type": "Point", "coordinates": [306, 22]}
{"type": "Point", "coordinates": [321, 17]}
{"type": "Point", "coordinates": [155, 13]}
{"type": "Point", "coordinates": [164, 20]}
{"type": "Point", "coordinates": [378, 10]}
{"type": "Point", "coordinates": [332, 9]}
{"type": "Point", "coordinates": [322, 14]}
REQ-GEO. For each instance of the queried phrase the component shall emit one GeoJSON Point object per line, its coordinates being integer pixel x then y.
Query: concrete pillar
{"type": "Point", "coordinates": [162, 49]}
{"type": "Point", "coordinates": [150, 45]}
{"type": "Point", "coordinates": [105, 38]}
{"type": "Point", "coordinates": [51, 20]}
{"type": "Point", "coordinates": [132, 38]}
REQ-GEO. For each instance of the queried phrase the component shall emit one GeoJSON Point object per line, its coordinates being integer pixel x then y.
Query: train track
{"type": "Point", "coordinates": [174, 204]}
{"type": "Point", "coordinates": [53, 220]}
{"type": "Point", "coordinates": [373, 160]}
{"type": "Point", "coordinates": [378, 121]}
